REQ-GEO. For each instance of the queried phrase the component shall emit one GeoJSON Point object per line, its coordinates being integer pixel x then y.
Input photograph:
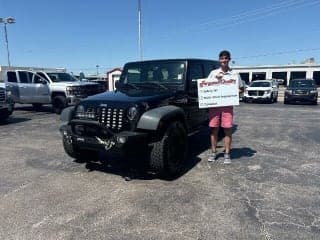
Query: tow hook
{"type": "Point", "coordinates": [108, 144]}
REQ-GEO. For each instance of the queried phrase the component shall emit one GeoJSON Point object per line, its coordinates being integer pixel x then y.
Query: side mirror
{"type": "Point", "coordinates": [117, 84]}
{"type": "Point", "coordinates": [43, 81]}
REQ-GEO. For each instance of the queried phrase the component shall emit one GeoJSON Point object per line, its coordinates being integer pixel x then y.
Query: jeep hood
{"type": "Point", "coordinates": [131, 97]}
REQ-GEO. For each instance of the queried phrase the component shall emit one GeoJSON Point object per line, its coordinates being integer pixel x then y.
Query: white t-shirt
{"type": "Point", "coordinates": [218, 75]}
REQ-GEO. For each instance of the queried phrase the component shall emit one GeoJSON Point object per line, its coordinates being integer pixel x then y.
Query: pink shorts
{"type": "Point", "coordinates": [221, 116]}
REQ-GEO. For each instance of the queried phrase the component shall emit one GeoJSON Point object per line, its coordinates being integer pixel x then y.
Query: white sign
{"type": "Point", "coordinates": [213, 93]}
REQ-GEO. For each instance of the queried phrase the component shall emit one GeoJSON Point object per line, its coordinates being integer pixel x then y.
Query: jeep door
{"type": "Point", "coordinates": [195, 115]}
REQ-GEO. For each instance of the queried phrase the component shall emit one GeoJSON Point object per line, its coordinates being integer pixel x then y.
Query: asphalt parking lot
{"type": "Point", "coordinates": [270, 191]}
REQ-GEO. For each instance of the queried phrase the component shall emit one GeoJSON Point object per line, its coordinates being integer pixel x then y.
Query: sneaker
{"type": "Point", "coordinates": [227, 159]}
{"type": "Point", "coordinates": [212, 157]}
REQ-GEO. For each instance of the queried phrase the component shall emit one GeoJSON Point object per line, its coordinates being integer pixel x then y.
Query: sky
{"type": "Point", "coordinates": [81, 35]}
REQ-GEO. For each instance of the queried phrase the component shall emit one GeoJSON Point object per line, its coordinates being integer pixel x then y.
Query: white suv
{"type": "Point", "coordinates": [262, 90]}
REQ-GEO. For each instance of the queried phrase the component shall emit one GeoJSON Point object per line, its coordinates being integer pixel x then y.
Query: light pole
{"type": "Point", "coordinates": [139, 29]}
{"type": "Point", "coordinates": [5, 21]}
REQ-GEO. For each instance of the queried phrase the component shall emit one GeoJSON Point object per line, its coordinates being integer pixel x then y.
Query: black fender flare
{"type": "Point", "coordinates": [67, 114]}
{"type": "Point", "coordinates": [152, 119]}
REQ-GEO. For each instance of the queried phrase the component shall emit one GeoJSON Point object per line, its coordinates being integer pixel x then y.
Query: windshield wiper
{"type": "Point", "coordinates": [130, 85]}
{"type": "Point", "coordinates": [154, 83]}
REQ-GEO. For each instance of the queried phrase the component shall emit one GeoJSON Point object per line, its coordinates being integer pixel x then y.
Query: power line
{"type": "Point", "coordinates": [278, 53]}
{"type": "Point", "coordinates": [247, 16]}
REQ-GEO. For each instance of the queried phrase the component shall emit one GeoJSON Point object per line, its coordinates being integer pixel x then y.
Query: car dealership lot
{"type": "Point", "coordinates": [271, 191]}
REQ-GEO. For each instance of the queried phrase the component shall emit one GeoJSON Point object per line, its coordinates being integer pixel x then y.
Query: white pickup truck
{"type": "Point", "coordinates": [47, 86]}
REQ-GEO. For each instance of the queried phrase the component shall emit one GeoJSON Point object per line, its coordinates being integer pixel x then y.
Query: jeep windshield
{"type": "Point", "coordinates": [153, 74]}
{"type": "Point", "coordinates": [61, 77]}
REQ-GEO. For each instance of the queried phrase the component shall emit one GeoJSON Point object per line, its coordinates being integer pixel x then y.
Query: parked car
{"type": "Point", "coordinates": [6, 103]}
{"type": "Point", "coordinates": [301, 90]}
{"type": "Point", "coordinates": [262, 90]}
{"type": "Point", "coordinates": [242, 94]}
{"type": "Point", "coordinates": [280, 81]}
{"type": "Point", "coordinates": [155, 105]}
{"type": "Point", "coordinates": [38, 87]}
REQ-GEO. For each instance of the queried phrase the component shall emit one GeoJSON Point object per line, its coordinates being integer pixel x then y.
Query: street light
{"type": "Point", "coordinates": [8, 20]}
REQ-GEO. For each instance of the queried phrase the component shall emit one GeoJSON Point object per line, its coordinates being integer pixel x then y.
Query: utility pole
{"type": "Point", "coordinates": [139, 27]}
{"type": "Point", "coordinates": [5, 21]}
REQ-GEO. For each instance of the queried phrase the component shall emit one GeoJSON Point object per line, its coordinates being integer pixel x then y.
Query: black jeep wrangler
{"type": "Point", "coordinates": [154, 106]}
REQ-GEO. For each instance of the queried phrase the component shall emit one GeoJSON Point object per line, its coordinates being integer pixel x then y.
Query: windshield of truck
{"type": "Point", "coordinates": [162, 72]}
{"type": "Point", "coordinates": [260, 84]}
{"type": "Point", "coordinates": [61, 77]}
{"type": "Point", "coordinates": [301, 83]}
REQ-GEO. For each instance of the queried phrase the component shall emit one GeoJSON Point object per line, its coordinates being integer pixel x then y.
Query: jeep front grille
{"type": "Point", "coordinates": [112, 118]}
{"type": "Point", "coordinates": [2, 95]}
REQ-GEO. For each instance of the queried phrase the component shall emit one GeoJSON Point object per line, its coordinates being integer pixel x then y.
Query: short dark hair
{"type": "Point", "coordinates": [225, 53]}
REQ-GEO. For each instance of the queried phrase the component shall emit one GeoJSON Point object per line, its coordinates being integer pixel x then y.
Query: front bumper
{"type": "Point", "coordinates": [301, 98]}
{"type": "Point", "coordinates": [6, 108]}
{"type": "Point", "coordinates": [257, 98]}
{"type": "Point", "coordinates": [119, 141]}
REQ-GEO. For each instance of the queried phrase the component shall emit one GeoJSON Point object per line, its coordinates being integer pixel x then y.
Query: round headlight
{"type": "Point", "coordinates": [132, 113]}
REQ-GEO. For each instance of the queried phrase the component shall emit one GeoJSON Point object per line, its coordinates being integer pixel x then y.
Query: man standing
{"type": "Point", "coordinates": [222, 116]}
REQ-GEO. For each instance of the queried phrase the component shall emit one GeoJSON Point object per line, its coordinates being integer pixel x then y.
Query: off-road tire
{"type": "Point", "coordinates": [168, 155]}
{"type": "Point", "coordinates": [80, 155]}
{"type": "Point", "coordinates": [59, 103]}
{"type": "Point", "coordinates": [4, 117]}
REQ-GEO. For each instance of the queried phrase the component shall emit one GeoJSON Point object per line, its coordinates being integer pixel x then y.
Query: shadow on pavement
{"type": "Point", "coordinates": [128, 168]}
{"type": "Point", "coordinates": [242, 152]}
{"type": "Point", "coordinates": [136, 167]}
{"type": "Point", "coordinates": [30, 108]}
{"type": "Point", "coordinates": [14, 120]}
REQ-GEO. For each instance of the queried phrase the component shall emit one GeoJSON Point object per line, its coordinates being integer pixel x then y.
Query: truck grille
{"type": "Point", "coordinates": [92, 89]}
{"type": "Point", "coordinates": [2, 95]}
{"type": "Point", "coordinates": [255, 93]}
{"type": "Point", "coordinates": [112, 118]}
{"type": "Point", "coordinates": [84, 91]}
{"type": "Point", "coordinates": [301, 92]}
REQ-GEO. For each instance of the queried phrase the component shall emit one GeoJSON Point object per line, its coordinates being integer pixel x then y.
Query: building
{"type": "Point", "coordinates": [112, 76]}
{"type": "Point", "coordinates": [285, 72]}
